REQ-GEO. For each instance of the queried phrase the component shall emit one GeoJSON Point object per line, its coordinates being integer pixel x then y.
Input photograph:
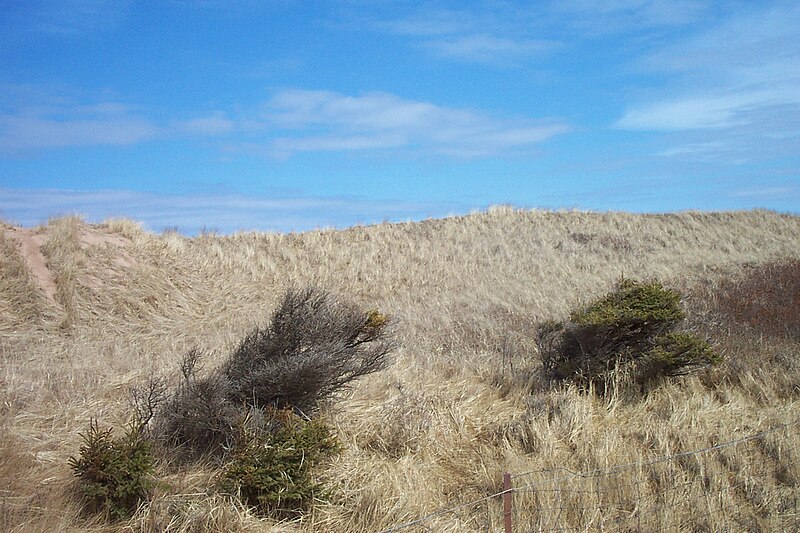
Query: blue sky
{"type": "Point", "coordinates": [283, 115]}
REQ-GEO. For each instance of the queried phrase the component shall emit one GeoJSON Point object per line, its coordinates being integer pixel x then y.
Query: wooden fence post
{"type": "Point", "coordinates": [507, 495]}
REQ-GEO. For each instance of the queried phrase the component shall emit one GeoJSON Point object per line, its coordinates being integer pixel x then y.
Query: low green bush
{"type": "Point", "coordinates": [271, 461]}
{"type": "Point", "coordinates": [114, 475]}
{"type": "Point", "coordinates": [633, 326]}
{"type": "Point", "coordinates": [676, 354]}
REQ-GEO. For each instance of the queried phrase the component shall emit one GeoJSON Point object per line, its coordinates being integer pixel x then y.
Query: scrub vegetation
{"type": "Point", "coordinates": [631, 330]}
{"type": "Point", "coordinates": [123, 328]}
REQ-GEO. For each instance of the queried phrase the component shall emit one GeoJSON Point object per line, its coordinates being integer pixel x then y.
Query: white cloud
{"type": "Point", "coordinates": [766, 192]}
{"type": "Point", "coordinates": [301, 108]}
{"type": "Point", "coordinates": [52, 119]}
{"type": "Point", "coordinates": [695, 112]}
{"type": "Point", "coordinates": [760, 36]}
{"type": "Point", "coordinates": [291, 121]}
{"type": "Point", "coordinates": [694, 148]}
{"type": "Point", "coordinates": [431, 23]}
{"type": "Point", "coordinates": [67, 18]}
{"type": "Point", "coordinates": [485, 48]}
{"type": "Point", "coordinates": [731, 76]}
{"type": "Point", "coordinates": [513, 33]}
{"type": "Point", "coordinates": [286, 146]}
{"type": "Point", "coordinates": [48, 119]}
{"type": "Point", "coordinates": [602, 17]}
{"type": "Point", "coordinates": [21, 133]}
{"type": "Point", "coordinates": [494, 35]}
{"type": "Point", "coordinates": [211, 125]}
{"type": "Point", "coordinates": [323, 120]}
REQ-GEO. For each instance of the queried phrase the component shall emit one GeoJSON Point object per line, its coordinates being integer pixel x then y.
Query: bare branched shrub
{"type": "Point", "coordinates": [146, 400]}
{"type": "Point", "coordinates": [199, 414]}
{"type": "Point", "coordinates": [765, 300]}
{"type": "Point", "coordinates": [313, 347]}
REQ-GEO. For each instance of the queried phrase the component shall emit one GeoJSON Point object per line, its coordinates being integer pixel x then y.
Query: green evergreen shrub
{"type": "Point", "coordinates": [632, 326]}
{"type": "Point", "coordinates": [114, 475]}
{"type": "Point", "coordinates": [270, 463]}
{"type": "Point", "coordinates": [676, 354]}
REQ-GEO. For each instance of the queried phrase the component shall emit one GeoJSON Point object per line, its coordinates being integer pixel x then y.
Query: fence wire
{"type": "Point", "coordinates": [747, 484]}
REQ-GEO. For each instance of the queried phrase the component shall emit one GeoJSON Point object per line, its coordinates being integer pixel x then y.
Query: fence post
{"type": "Point", "coordinates": [507, 495]}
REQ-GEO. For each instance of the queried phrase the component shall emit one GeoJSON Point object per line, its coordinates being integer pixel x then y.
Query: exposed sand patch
{"type": "Point", "coordinates": [91, 237]}
{"type": "Point", "coordinates": [31, 241]}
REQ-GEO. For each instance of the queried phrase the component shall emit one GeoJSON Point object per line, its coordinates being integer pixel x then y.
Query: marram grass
{"type": "Point", "coordinates": [462, 402]}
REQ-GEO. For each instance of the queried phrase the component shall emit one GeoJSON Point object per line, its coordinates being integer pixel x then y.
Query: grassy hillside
{"type": "Point", "coordinates": [111, 304]}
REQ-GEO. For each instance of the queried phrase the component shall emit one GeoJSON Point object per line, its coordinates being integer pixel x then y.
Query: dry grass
{"type": "Point", "coordinates": [463, 401]}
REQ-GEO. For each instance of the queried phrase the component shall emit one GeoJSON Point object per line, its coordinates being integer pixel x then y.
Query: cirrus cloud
{"type": "Point", "coordinates": [56, 119]}
{"type": "Point", "coordinates": [731, 76]}
{"type": "Point", "coordinates": [29, 131]}
{"type": "Point", "coordinates": [331, 121]}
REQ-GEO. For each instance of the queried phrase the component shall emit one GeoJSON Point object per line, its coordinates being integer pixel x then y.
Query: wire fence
{"type": "Point", "coordinates": [747, 484]}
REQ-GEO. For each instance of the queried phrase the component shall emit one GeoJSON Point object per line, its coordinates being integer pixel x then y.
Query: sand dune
{"type": "Point", "coordinates": [90, 310]}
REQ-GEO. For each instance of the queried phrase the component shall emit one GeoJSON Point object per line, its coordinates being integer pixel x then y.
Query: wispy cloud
{"type": "Point", "coordinates": [50, 120]}
{"type": "Point", "coordinates": [211, 125]}
{"type": "Point", "coordinates": [694, 148]}
{"type": "Point", "coordinates": [603, 17]}
{"type": "Point", "coordinates": [703, 112]}
{"type": "Point", "coordinates": [34, 130]}
{"type": "Point", "coordinates": [328, 121]}
{"type": "Point", "coordinates": [477, 35]}
{"type": "Point", "coordinates": [513, 34]}
{"type": "Point", "coordinates": [731, 76]}
{"type": "Point", "coordinates": [766, 192]}
{"type": "Point", "coordinates": [487, 48]}
{"type": "Point", "coordinates": [290, 122]}
{"type": "Point", "coordinates": [225, 213]}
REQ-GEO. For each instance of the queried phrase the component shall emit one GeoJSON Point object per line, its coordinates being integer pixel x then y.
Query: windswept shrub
{"type": "Point", "coordinates": [114, 475]}
{"type": "Point", "coordinates": [271, 461]}
{"type": "Point", "coordinates": [313, 347]}
{"type": "Point", "coordinates": [199, 416]}
{"type": "Point", "coordinates": [632, 326]}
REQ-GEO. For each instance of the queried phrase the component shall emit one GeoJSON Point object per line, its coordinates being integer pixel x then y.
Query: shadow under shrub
{"type": "Point", "coordinates": [114, 475]}
{"type": "Point", "coordinates": [630, 328]}
{"type": "Point", "coordinates": [199, 416]}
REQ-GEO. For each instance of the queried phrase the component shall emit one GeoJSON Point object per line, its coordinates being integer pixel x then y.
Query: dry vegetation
{"type": "Point", "coordinates": [463, 401]}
